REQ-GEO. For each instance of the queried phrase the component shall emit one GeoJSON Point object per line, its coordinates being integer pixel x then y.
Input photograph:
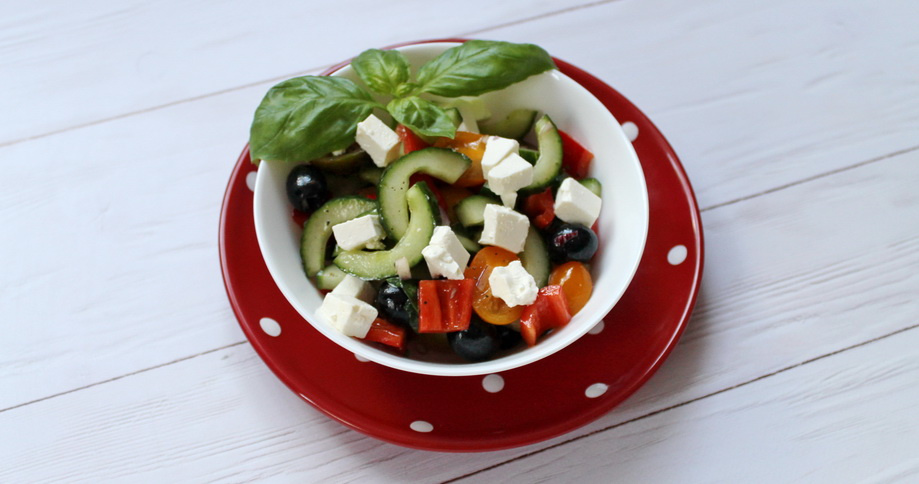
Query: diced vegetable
{"type": "Point", "coordinates": [382, 331]}
{"type": "Point", "coordinates": [444, 305]}
{"type": "Point", "coordinates": [410, 141]}
{"type": "Point", "coordinates": [576, 159]}
{"type": "Point", "coordinates": [576, 283]}
{"type": "Point", "coordinates": [549, 311]}
{"type": "Point", "coordinates": [541, 208]}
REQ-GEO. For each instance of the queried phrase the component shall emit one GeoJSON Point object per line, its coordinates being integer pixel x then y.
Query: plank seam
{"type": "Point", "coordinates": [683, 404]}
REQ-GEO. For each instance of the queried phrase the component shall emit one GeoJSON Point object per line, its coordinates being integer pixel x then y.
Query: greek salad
{"type": "Point", "coordinates": [428, 217]}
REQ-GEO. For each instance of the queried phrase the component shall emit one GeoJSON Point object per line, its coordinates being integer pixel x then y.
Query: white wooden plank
{"type": "Point", "coordinates": [69, 63]}
{"type": "Point", "coordinates": [846, 418]}
{"type": "Point", "coordinates": [774, 296]}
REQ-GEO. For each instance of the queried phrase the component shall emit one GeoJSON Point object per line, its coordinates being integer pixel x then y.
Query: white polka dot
{"type": "Point", "coordinates": [360, 358]}
{"type": "Point", "coordinates": [630, 129]}
{"type": "Point", "coordinates": [421, 426]}
{"type": "Point", "coordinates": [250, 180]}
{"type": "Point", "coordinates": [596, 390]}
{"type": "Point", "coordinates": [270, 326]}
{"type": "Point", "coordinates": [677, 255]}
{"type": "Point", "coordinates": [597, 328]}
{"type": "Point", "coordinates": [493, 383]}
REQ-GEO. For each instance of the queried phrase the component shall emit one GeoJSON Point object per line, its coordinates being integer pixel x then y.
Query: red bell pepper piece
{"type": "Point", "coordinates": [550, 310]}
{"type": "Point", "coordinates": [541, 208]}
{"type": "Point", "coordinates": [444, 306]}
{"type": "Point", "coordinates": [575, 158]}
{"type": "Point", "coordinates": [382, 331]}
{"type": "Point", "coordinates": [410, 141]}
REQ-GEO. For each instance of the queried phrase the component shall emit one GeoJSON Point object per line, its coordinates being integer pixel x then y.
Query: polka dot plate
{"type": "Point", "coordinates": [480, 413]}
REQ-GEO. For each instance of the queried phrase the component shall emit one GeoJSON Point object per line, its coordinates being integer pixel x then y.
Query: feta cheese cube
{"type": "Point", "coordinates": [378, 140]}
{"type": "Point", "coordinates": [496, 149]}
{"type": "Point", "coordinates": [445, 254]}
{"type": "Point", "coordinates": [513, 284]}
{"type": "Point", "coordinates": [403, 270]}
{"type": "Point", "coordinates": [512, 174]}
{"type": "Point", "coordinates": [355, 287]}
{"type": "Point", "coordinates": [576, 204]}
{"type": "Point", "coordinates": [348, 315]}
{"type": "Point", "coordinates": [509, 199]}
{"type": "Point", "coordinates": [504, 228]}
{"type": "Point", "coordinates": [360, 232]}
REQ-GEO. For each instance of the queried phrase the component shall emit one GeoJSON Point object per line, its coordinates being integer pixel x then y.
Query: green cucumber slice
{"type": "Point", "coordinates": [470, 211]}
{"type": "Point", "coordinates": [516, 125]}
{"type": "Point", "coordinates": [371, 175]}
{"type": "Point", "coordinates": [529, 154]}
{"type": "Point", "coordinates": [443, 164]}
{"type": "Point", "coordinates": [549, 163]}
{"type": "Point", "coordinates": [535, 257]}
{"type": "Point", "coordinates": [329, 277]}
{"type": "Point", "coordinates": [593, 185]}
{"type": "Point", "coordinates": [381, 264]}
{"type": "Point", "coordinates": [318, 229]}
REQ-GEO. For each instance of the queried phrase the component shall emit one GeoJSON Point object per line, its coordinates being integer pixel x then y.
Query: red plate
{"type": "Point", "coordinates": [523, 406]}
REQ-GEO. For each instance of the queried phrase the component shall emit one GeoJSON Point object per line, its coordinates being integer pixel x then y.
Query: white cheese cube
{"type": "Point", "coordinates": [348, 315]}
{"type": "Point", "coordinates": [378, 140]}
{"type": "Point", "coordinates": [496, 149]}
{"type": "Point", "coordinates": [513, 284]}
{"type": "Point", "coordinates": [445, 254]}
{"type": "Point", "coordinates": [355, 287]}
{"type": "Point", "coordinates": [403, 270]}
{"type": "Point", "coordinates": [509, 199]}
{"type": "Point", "coordinates": [360, 232]}
{"type": "Point", "coordinates": [504, 228]}
{"type": "Point", "coordinates": [576, 204]}
{"type": "Point", "coordinates": [512, 174]}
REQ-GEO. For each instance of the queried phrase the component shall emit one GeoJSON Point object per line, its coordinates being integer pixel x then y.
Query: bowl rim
{"type": "Point", "coordinates": [504, 363]}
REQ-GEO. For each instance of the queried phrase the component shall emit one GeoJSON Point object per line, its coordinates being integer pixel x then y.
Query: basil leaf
{"type": "Point", "coordinates": [422, 116]}
{"type": "Point", "coordinates": [480, 66]}
{"type": "Point", "coordinates": [306, 117]}
{"type": "Point", "coordinates": [382, 70]}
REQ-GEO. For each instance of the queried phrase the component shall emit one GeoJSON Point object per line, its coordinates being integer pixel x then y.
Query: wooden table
{"type": "Point", "coordinates": [798, 123]}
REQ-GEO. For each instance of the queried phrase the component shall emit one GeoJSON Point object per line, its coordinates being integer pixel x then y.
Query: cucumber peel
{"type": "Point", "coordinates": [318, 229]}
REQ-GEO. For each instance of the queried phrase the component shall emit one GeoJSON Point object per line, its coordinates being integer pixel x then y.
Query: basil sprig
{"type": "Point", "coordinates": [306, 117]}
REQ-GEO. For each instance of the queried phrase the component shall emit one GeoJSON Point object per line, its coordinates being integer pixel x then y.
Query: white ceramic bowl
{"type": "Point", "coordinates": [623, 223]}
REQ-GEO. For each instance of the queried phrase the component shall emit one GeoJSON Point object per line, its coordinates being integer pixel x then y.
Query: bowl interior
{"type": "Point", "coordinates": [622, 226]}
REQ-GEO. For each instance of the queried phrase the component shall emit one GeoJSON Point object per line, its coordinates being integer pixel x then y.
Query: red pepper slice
{"type": "Point", "coordinates": [575, 158]}
{"type": "Point", "coordinates": [549, 311]}
{"type": "Point", "coordinates": [444, 306]}
{"type": "Point", "coordinates": [541, 208]}
{"type": "Point", "coordinates": [382, 331]}
{"type": "Point", "coordinates": [410, 141]}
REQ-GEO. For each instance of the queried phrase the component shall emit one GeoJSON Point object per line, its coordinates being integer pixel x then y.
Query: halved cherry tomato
{"type": "Point", "coordinates": [541, 208]}
{"type": "Point", "coordinates": [489, 307]}
{"type": "Point", "coordinates": [576, 283]}
{"type": "Point", "coordinates": [382, 331]}
{"type": "Point", "coordinates": [444, 306]}
{"type": "Point", "coordinates": [575, 158]}
{"type": "Point", "coordinates": [473, 146]}
{"type": "Point", "coordinates": [549, 311]}
{"type": "Point", "coordinates": [410, 141]}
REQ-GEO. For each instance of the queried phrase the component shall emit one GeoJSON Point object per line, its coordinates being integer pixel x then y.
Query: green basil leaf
{"type": "Point", "coordinates": [306, 117]}
{"type": "Point", "coordinates": [480, 66]}
{"type": "Point", "coordinates": [422, 116]}
{"type": "Point", "coordinates": [382, 70]}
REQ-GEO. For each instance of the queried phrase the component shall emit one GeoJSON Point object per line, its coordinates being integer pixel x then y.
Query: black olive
{"type": "Point", "coordinates": [392, 302]}
{"type": "Point", "coordinates": [478, 343]}
{"type": "Point", "coordinates": [507, 337]}
{"type": "Point", "coordinates": [572, 242]}
{"type": "Point", "coordinates": [306, 188]}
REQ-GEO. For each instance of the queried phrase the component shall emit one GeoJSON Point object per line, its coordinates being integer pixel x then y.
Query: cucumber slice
{"type": "Point", "coordinates": [470, 211]}
{"type": "Point", "coordinates": [470, 245]}
{"type": "Point", "coordinates": [593, 185]}
{"type": "Point", "coordinates": [345, 163]}
{"type": "Point", "coordinates": [516, 125]}
{"type": "Point", "coordinates": [381, 264]}
{"type": "Point", "coordinates": [444, 164]}
{"type": "Point", "coordinates": [529, 154]}
{"type": "Point", "coordinates": [535, 257]}
{"type": "Point", "coordinates": [549, 163]}
{"type": "Point", "coordinates": [318, 229]}
{"type": "Point", "coordinates": [329, 277]}
{"type": "Point", "coordinates": [371, 175]}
